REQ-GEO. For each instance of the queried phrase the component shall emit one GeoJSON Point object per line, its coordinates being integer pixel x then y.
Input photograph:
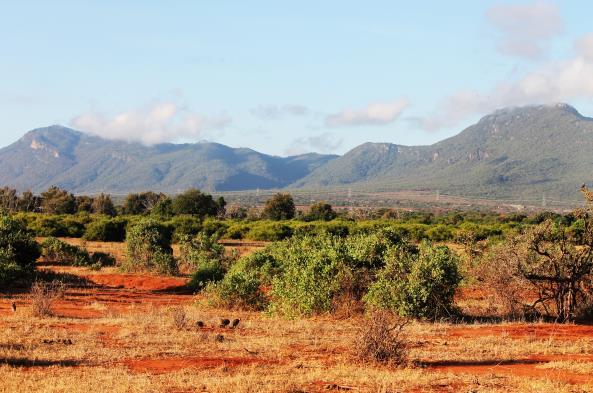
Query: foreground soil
{"type": "Point", "coordinates": [117, 332]}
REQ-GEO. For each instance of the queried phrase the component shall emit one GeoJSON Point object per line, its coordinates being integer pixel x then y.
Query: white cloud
{"type": "Point", "coordinates": [151, 124]}
{"type": "Point", "coordinates": [552, 82]}
{"type": "Point", "coordinates": [272, 112]}
{"type": "Point", "coordinates": [525, 29]}
{"type": "Point", "coordinates": [379, 113]}
{"type": "Point", "coordinates": [322, 143]}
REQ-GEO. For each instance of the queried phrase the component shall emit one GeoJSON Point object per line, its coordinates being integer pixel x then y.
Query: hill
{"type": "Point", "coordinates": [525, 153]}
{"type": "Point", "coordinates": [88, 164]}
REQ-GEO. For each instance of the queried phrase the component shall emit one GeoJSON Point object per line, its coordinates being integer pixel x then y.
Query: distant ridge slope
{"type": "Point", "coordinates": [527, 153]}
{"type": "Point", "coordinates": [83, 163]}
{"type": "Point", "coordinates": [524, 153]}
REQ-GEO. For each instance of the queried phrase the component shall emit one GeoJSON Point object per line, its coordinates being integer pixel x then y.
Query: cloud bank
{"type": "Point", "coordinates": [551, 82]}
{"type": "Point", "coordinates": [152, 124]}
{"type": "Point", "coordinates": [375, 114]}
{"type": "Point", "coordinates": [525, 29]}
{"type": "Point", "coordinates": [274, 112]}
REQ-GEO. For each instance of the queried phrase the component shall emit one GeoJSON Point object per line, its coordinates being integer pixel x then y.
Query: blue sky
{"type": "Point", "coordinates": [286, 78]}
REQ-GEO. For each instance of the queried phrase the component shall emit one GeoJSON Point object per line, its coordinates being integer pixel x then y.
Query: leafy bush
{"type": "Point", "coordinates": [18, 251]}
{"type": "Point", "coordinates": [210, 270]}
{"type": "Point", "coordinates": [58, 251]}
{"type": "Point", "coordinates": [106, 230]}
{"type": "Point", "coordinates": [238, 290]}
{"type": "Point", "coordinates": [269, 231]}
{"type": "Point", "coordinates": [149, 248]}
{"type": "Point", "coordinates": [420, 285]}
{"type": "Point", "coordinates": [261, 263]}
{"type": "Point", "coordinates": [279, 207]}
{"type": "Point", "coordinates": [310, 276]}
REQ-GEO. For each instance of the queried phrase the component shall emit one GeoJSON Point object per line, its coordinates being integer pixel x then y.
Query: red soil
{"type": "Point", "coordinates": [161, 366]}
{"type": "Point", "coordinates": [527, 367]}
{"type": "Point", "coordinates": [539, 331]}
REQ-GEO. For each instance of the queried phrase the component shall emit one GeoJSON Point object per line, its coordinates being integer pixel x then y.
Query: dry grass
{"type": "Point", "coordinates": [43, 296]}
{"type": "Point", "coordinates": [132, 340]}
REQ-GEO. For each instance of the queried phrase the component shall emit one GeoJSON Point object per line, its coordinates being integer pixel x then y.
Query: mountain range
{"type": "Point", "coordinates": [519, 153]}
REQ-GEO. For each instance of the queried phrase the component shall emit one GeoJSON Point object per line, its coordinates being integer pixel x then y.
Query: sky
{"type": "Point", "coordinates": [286, 78]}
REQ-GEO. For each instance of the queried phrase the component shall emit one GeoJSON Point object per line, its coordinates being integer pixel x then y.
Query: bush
{"type": "Point", "coordinates": [310, 277]}
{"type": "Point", "coordinates": [269, 231]}
{"type": "Point", "coordinates": [238, 290]}
{"type": "Point", "coordinates": [58, 251]}
{"type": "Point", "coordinates": [18, 251]}
{"type": "Point", "coordinates": [420, 285]}
{"type": "Point", "coordinates": [149, 248]}
{"type": "Point", "coordinates": [106, 230]}
{"type": "Point", "coordinates": [207, 272]}
{"type": "Point", "coordinates": [43, 295]}
{"type": "Point", "coordinates": [262, 264]}
{"type": "Point", "coordinates": [382, 340]}
{"type": "Point", "coordinates": [184, 226]}
{"type": "Point", "coordinates": [199, 250]}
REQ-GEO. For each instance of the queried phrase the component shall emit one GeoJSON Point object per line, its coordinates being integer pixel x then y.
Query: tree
{"type": "Point", "coordinates": [18, 251]}
{"type": "Point", "coordinates": [9, 199]}
{"type": "Point", "coordinates": [84, 203]}
{"type": "Point", "coordinates": [196, 203]}
{"type": "Point", "coordinates": [321, 211]}
{"type": "Point", "coordinates": [142, 203]}
{"type": "Point", "coordinates": [557, 260]}
{"type": "Point", "coordinates": [103, 204]}
{"type": "Point", "coordinates": [280, 207]}
{"type": "Point", "coordinates": [58, 201]}
{"type": "Point", "coordinates": [30, 203]}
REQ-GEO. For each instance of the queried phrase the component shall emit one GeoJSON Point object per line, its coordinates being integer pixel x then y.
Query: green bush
{"type": "Point", "coordinates": [310, 278]}
{"type": "Point", "coordinates": [199, 250]}
{"type": "Point", "coordinates": [420, 285]}
{"type": "Point", "coordinates": [269, 231]}
{"type": "Point", "coordinates": [106, 230]}
{"type": "Point", "coordinates": [184, 226]}
{"type": "Point", "coordinates": [18, 251]}
{"type": "Point", "coordinates": [208, 271]}
{"type": "Point", "coordinates": [149, 248]}
{"type": "Point", "coordinates": [58, 251]}
{"type": "Point", "coordinates": [261, 263]}
{"type": "Point", "coordinates": [439, 233]}
{"type": "Point", "coordinates": [238, 290]}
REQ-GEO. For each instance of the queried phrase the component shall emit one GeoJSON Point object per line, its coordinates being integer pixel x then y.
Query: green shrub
{"type": "Point", "coordinates": [58, 251]}
{"type": "Point", "coordinates": [184, 226]}
{"type": "Point", "coordinates": [269, 231]}
{"type": "Point", "coordinates": [208, 271]}
{"type": "Point", "coordinates": [149, 248]}
{"type": "Point", "coordinates": [18, 251]}
{"type": "Point", "coordinates": [198, 250]}
{"type": "Point", "coordinates": [420, 285]}
{"type": "Point", "coordinates": [261, 263]}
{"type": "Point", "coordinates": [106, 230]}
{"type": "Point", "coordinates": [238, 290]}
{"type": "Point", "coordinates": [237, 230]}
{"type": "Point", "coordinates": [310, 277]}
{"type": "Point", "coordinates": [102, 259]}
{"type": "Point", "coordinates": [439, 233]}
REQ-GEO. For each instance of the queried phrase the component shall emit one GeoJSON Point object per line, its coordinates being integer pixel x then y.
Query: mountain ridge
{"type": "Point", "coordinates": [520, 152]}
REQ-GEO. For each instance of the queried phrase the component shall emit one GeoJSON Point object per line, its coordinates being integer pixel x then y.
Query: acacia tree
{"type": "Point", "coordinates": [558, 262]}
{"type": "Point", "coordinates": [102, 204]}
{"type": "Point", "coordinates": [58, 201]}
{"type": "Point", "coordinates": [280, 207]}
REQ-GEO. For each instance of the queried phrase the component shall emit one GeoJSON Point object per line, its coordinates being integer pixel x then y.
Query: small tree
{"type": "Point", "coordinates": [58, 201]}
{"type": "Point", "coordinates": [149, 248]}
{"type": "Point", "coordinates": [102, 204]}
{"type": "Point", "coordinates": [84, 203]}
{"type": "Point", "coordinates": [280, 207]}
{"type": "Point", "coordinates": [18, 250]}
{"type": "Point", "coordinates": [196, 203]}
{"type": "Point", "coordinates": [9, 200]}
{"type": "Point", "coordinates": [142, 203]}
{"type": "Point", "coordinates": [321, 211]}
{"type": "Point", "coordinates": [30, 203]}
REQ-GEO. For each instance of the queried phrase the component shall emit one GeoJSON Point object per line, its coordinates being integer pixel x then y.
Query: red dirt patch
{"type": "Point", "coordinates": [541, 331]}
{"type": "Point", "coordinates": [517, 368]}
{"type": "Point", "coordinates": [134, 281]}
{"type": "Point", "coordinates": [161, 366]}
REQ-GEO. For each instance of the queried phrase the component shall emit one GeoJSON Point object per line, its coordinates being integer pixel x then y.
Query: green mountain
{"type": "Point", "coordinates": [523, 153]}
{"type": "Point", "coordinates": [88, 164]}
{"type": "Point", "coordinates": [517, 153]}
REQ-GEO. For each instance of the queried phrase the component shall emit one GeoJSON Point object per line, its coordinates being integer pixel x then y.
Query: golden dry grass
{"type": "Point", "coordinates": [125, 339]}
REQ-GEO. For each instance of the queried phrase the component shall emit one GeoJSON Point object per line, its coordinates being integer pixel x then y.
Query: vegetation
{"type": "Point", "coordinates": [18, 251]}
{"type": "Point", "coordinates": [149, 248]}
{"type": "Point", "coordinates": [56, 251]}
{"type": "Point", "coordinates": [280, 207]}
